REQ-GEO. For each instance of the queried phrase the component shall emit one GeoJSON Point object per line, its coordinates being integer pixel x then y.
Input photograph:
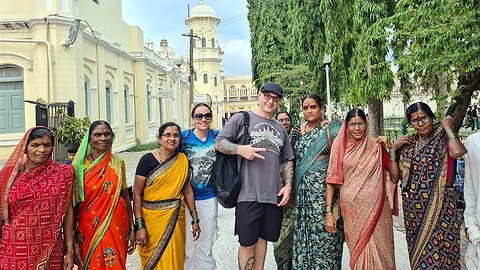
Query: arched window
{"type": "Point", "coordinates": [108, 102]}
{"type": "Point", "coordinates": [215, 82]}
{"type": "Point", "coordinates": [204, 42]}
{"type": "Point", "coordinates": [213, 43]}
{"type": "Point", "coordinates": [126, 100]}
{"type": "Point", "coordinates": [205, 78]}
{"type": "Point", "coordinates": [12, 110]}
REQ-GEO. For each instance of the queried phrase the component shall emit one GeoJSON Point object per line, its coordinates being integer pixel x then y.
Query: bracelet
{"type": "Point", "coordinates": [69, 247]}
{"type": "Point", "coordinates": [196, 221]}
{"type": "Point", "coordinates": [328, 208]}
{"type": "Point", "coordinates": [193, 211]}
{"type": "Point", "coordinates": [451, 135]}
{"type": "Point", "coordinates": [132, 229]}
{"type": "Point", "coordinates": [392, 154]}
{"type": "Point", "coordinates": [139, 224]}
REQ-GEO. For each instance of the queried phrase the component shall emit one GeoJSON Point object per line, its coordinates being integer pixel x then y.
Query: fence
{"type": "Point", "coordinates": [52, 116]}
{"type": "Point", "coordinates": [395, 127]}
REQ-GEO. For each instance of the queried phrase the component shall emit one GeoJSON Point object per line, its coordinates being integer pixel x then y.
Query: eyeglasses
{"type": "Point", "coordinates": [199, 116]}
{"type": "Point", "coordinates": [417, 121]}
{"type": "Point", "coordinates": [268, 97]}
{"type": "Point", "coordinates": [359, 124]}
{"type": "Point", "coordinates": [170, 135]}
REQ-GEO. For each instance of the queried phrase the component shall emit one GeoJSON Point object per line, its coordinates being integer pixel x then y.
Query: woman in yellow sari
{"type": "Point", "coordinates": [160, 192]}
{"type": "Point", "coordinates": [102, 203]}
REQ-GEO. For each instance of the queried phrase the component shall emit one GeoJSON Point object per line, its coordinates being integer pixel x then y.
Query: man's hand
{"type": "Point", "coordinates": [285, 193]}
{"type": "Point", "coordinates": [249, 152]}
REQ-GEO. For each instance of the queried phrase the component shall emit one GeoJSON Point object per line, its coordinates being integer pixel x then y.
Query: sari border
{"type": "Point", "coordinates": [100, 232]}
{"type": "Point", "coordinates": [160, 169]}
{"type": "Point", "coordinates": [161, 205]}
{"type": "Point", "coordinates": [164, 240]}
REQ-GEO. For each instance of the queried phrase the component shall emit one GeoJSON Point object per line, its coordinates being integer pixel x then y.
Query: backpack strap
{"type": "Point", "coordinates": [329, 137]}
{"type": "Point", "coordinates": [246, 125]}
{"type": "Point", "coordinates": [181, 146]}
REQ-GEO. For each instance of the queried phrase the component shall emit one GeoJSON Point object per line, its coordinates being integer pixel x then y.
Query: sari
{"type": "Point", "coordinates": [313, 246]}
{"type": "Point", "coordinates": [163, 210]}
{"type": "Point", "coordinates": [102, 213]}
{"type": "Point", "coordinates": [34, 204]}
{"type": "Point", "coordinates": [432, 222]}
{"type": "Point", "coordinates": [367, 217]}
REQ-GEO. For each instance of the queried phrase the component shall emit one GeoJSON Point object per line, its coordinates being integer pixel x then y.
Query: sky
{"type": "Point", "coordinates": [166, 18]}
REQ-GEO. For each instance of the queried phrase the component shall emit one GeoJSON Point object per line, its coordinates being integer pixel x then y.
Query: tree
{"type": "Point", "coordinates": [72, 130]}
{"type": "Point", "coordinates": [268, 30]}
{"type": "Point", "coordinates": [437, 43]}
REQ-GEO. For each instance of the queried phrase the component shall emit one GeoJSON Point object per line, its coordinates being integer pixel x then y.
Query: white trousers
{"type": "Point", "coordinates": [198, 254]}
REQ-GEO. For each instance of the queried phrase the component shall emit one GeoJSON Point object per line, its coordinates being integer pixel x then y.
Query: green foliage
{"type": "Point", "coordinates": [144, 147]}
{"type": "Point", "coordinates": [72, 130]}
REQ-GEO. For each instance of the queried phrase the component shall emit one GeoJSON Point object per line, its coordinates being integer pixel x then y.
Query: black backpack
{"type": "Point", "coordinates": [226, 173]}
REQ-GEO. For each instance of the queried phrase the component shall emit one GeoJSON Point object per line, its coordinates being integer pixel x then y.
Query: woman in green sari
{"type": "Point", "coordinates": [313, 246]}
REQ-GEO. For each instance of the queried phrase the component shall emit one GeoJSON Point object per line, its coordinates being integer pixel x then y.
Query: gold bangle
{"type": "Point", "coordinates": [451, 135]}
{"type": "Point", "coordinates": [328, 208]}
{"type": "Point", "coordinates": [69, 247]}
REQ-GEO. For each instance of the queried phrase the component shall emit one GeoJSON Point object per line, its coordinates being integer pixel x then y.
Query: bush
{"type": "Point", "coordinates": [144, 147]}
{"type": "Point", "coordinates": [72, 130]}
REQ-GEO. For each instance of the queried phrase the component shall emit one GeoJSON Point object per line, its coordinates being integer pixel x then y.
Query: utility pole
{"type": "Point", "coordinates": [191, 36]}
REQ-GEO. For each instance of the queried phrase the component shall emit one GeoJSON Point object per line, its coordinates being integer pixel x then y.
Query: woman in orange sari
{"type": "Point", "coordinates": [102, 203]}
{"type": "Point", "coordinates": [357, 165]}
{"type": "Point", "coordinates": [161, 189]}
{"type": "Point", "coordinates": [37, 216]}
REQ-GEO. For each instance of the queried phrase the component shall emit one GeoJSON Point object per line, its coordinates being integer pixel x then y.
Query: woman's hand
{"type": "Point", "coordinates": [196, 231]}
{"type": "Point", "coordinates": [68, 261]}
{"type": "Point", "coordinates": [142, 237]}
{"type": "Point", "coordinates": [77, 249]}
{"type": "Point", "coordinates": [402, 141]}
{"type": "Point", "coordinates": [447, 123]}
{"type": "Point", "coordinates": [383, 140]}
{"type": "Point", "coordinates": [131, 243]}
{"type": "Point", "coordinates": [330, 223]}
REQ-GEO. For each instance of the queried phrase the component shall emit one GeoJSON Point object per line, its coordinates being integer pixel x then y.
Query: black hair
{"type": "Point", "coordinates": [162, 128]}
{"type": "Point", "coordinates": [355, 113]}
{"type": "Point", "coordinates": [318, 100]}
{"type": "Point", "coordinates": [41, 132]}
{"type": "Point", "coordinates": [98, 123]}
{"type": "Point", "coordinates": [285, 112]}
{"type": "Point", "coordinates": [200, 105]}
{"type": "Point", "coordinates": [72, 147]}
{"type": "Point", "coordinates": [418, 106]}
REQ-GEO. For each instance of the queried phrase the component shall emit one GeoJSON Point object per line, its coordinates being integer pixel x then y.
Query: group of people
{"type": "Point", "coordinates": [472, 120]}
{"type": "Point", "coordinates": [307, 187]}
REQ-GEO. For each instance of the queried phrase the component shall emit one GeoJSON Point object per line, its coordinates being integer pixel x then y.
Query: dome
{"type": "Point", "coordinates": [202, 10]}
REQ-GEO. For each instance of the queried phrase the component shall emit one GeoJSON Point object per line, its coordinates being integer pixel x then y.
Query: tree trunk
{"type": "Point", "coordinates": [467, 84]}
{"type": "Point", "coordinates": [375, 117]}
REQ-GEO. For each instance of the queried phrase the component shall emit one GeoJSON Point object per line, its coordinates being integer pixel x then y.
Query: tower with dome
{"type": "Point", "coordinates": [207, 56]}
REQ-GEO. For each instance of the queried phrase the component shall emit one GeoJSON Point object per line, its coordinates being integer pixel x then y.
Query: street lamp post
{"type": "Point", "coordinates": [179, 60]}
{"type": "Point", "coordinates": [327, 60]}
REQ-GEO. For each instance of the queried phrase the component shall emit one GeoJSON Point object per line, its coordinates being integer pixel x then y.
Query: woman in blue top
{"type": "Point", "coordinates": [197, 144]}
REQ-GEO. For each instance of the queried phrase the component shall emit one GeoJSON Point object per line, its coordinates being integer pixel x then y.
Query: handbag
{"type": "Point", "coordinates": [226, 173]}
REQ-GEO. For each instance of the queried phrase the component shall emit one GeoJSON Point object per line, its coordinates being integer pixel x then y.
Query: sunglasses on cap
{"type": "Point", "coordinates": [199, 116]}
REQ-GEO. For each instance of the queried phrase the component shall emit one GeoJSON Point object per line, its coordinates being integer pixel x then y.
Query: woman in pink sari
{"type": "Point", "coordinates": [357, 166]}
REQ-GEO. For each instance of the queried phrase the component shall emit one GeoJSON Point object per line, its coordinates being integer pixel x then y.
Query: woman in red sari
{"type": "Point", "coordinates": [37, 216]}
{"type": "Point", "coordinates": [357, 165]}
{"type": "Point", "coordinates": [102, 203]}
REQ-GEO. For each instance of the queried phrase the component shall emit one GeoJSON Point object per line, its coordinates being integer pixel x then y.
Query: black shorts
{"type": "Point", "coordinates": [255, 220]}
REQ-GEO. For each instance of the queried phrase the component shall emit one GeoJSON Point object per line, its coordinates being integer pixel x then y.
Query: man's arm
{"type": "Point", "coordinates": [287, 171]}
{"type": "Point", "coordinates": [225, 146]}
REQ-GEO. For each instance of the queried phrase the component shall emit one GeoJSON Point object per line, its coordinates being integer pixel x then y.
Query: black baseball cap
{"type": "Point", "coordinates": [272, 87]}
